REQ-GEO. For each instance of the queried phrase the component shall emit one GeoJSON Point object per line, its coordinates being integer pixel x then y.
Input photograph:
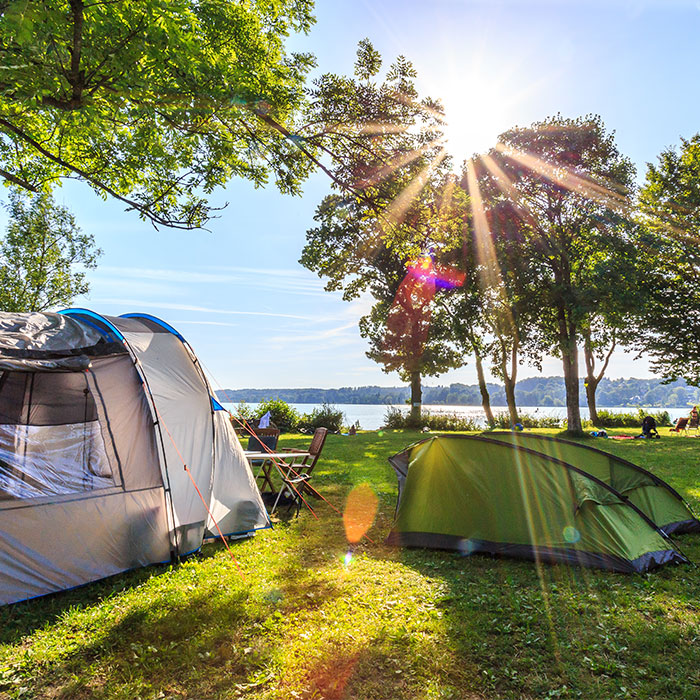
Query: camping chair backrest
{"type": "Point", "coordinates": [681, 424]}
{"type": "Point", "coordinates": [299, 473]}
{"type": "Point", "coordinates": [244, 427]}
{"type": "Point", "coordinates": [264, 437]}
{"type": "Point", "coordinates": [315, 448]}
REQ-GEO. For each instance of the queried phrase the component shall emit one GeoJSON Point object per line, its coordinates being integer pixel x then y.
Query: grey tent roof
{"type": "Point", "coordinates": [49, 341]}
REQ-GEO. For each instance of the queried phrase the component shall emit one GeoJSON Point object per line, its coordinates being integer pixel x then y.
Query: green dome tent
{"type": "Point", "coordinates": [473, 495]}
{"type": "Point", "coordinates": [653, 496]}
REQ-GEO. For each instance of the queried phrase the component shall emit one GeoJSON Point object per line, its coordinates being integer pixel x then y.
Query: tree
{"type": "Point", "coordinates": [501, 280]}
{"type": "Point", "coordinates": [620, 294]}
{"type": "Point", "coordinates": [404, 326]}
{"type": "Point", "coordinates": [404, 335]}
{"type": "Point", "coordinates": [669, 322]}
{"type": "Point", "coordinates": [573, 190]}
{"type": "Point", "coordinates": [400, 209]}
{"type": "Point", "coordinates": [465, 327]}
{"type": "Point", "coordinates": [41, 256]}
{"type": "Point", "coordinates": [154, 103]}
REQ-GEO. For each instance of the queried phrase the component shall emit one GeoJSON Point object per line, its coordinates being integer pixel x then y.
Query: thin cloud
{"type": "Point", "coordinates": [291, 281]}
{"type": "Point", "coordinates": [314, 336]}
{"type": "Point", "coordinates": [198, 309]}
{"type": "Point", "coordinates": [160, 275]}
{"type": "Point", "coordinates": [206, 323]}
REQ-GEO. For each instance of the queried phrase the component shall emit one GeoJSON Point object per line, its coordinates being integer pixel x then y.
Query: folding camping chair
{"type": "Point", "coordinates": [680, 426]}
{"type": "Point", "coordinates": [296, 474]}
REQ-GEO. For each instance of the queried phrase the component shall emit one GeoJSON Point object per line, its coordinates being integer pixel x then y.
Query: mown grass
{"type": "Point", "coordinates": [388, 624]}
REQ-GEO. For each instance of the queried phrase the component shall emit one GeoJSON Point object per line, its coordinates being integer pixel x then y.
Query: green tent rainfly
{"type": "Point", "coordinates": [474, 494]}
{"type": "Point", "coordinates": [653, 496]}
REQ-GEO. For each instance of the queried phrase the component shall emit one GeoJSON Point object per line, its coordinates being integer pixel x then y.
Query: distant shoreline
{"type": "Point", "coordinates": [546, 392]}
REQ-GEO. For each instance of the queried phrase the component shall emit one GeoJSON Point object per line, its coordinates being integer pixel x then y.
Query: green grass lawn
{"type": "Point", "coordinates": [387, 624]}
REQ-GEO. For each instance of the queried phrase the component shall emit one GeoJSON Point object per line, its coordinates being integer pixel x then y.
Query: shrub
{"type": "Point", "coordinates": [328, 416]}
{"type": "Point", "coordinates": [244, 412]}
{"type": "Point", "coordinates": [527, 421]}
{"type": "Point", "coordinates": [282, 414]}
{"type": "Point", "coordinates": [449, 421]}
{"type": "Point", "coordinates": [395, 419]}
{"type": "Point", "coordinates": [608, 419]}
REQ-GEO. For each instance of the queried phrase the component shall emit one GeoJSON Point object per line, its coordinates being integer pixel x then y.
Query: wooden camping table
{"type": "Point", "coordinates": [276, 459]}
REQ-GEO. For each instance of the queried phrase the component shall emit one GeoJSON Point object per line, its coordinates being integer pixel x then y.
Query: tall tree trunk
{"type": "Point", "coordinates": [592, 380]}
{"type": "Point", "coordinates": [569, 356]}
{"type": "Point", "coordinates": [483, 389]}
{"type": "Point", "coordinates": [416, 397]}
{"type": "Point", "coordinates": [509, 377]}
{"type": "Point", "coordinates": [591, 387]}
{"type": "Point", "coordinates": [509, 386]}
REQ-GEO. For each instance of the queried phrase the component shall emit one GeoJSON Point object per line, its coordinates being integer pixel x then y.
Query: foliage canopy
{"type": "Point", "coordinates": [43, 256]}
{"type": "Point", "coordinates": [155, 102]}
{"type": "Point", "coordinates": [669, 322]}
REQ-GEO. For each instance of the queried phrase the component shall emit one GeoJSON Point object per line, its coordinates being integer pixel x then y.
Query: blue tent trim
{"type": "Point", "coordinates": [100, 323]}
{"type": "Point", "coordinates": [157, 320]}
{"type": "Point", "coordinates": [216, 405]}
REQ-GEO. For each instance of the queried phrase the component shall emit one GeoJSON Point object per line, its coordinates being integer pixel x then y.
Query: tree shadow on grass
{"type": "Point", "coordinates": [383, 669]}
{"type": "Point", "coordinates": [560, 631]}
{"type": "Point", "coordinates": [170, 649]}
{"type": "Point", "coordinates": [21, 619]}
{"type": "Point", "coordinates": [189, 637]}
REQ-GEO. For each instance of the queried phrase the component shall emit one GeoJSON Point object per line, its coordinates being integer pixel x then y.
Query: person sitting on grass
{"type": "Point", "coordinates": [649, 430]}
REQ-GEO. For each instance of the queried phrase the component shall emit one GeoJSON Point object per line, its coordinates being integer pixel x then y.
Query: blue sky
{"type": "Point", "coordinates": [255, 317]}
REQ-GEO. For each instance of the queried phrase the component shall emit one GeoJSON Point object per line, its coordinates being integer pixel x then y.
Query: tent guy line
{"type": "Point", "coordinates": [199, 493]}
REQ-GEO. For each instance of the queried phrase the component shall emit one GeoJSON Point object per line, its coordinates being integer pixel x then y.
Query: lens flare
{"type": "Point", "coordinates": [360, 511]}
{"type": "Point", "coordinates": [571, 534]}
{"type": "Point", "coordinates": [347, 559]}
{"type": "Point", "coordinates": [466, 547]}
{"type": "Point", "coordinates": [425, 271]}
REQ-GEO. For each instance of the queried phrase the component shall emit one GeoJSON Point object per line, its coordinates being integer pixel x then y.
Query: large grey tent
{"type": "Point", "coordinates": [98, 418]}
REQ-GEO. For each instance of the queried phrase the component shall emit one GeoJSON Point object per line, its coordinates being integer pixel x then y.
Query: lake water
{"type": "Point", "coordinates": [371, 416]}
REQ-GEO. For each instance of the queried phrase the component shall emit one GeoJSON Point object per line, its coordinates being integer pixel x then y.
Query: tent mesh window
{"type": "Point", "coordinates": [50, 437]}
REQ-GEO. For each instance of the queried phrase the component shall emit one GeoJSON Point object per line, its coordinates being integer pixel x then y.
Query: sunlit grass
{"type": "Point", "coordinates": [383, 623]}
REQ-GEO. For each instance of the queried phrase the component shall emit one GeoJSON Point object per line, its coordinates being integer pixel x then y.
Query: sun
{"type": "Point", "coordinates": [472, 126]}
{"type": "Point", "coordinates": [481, 103]}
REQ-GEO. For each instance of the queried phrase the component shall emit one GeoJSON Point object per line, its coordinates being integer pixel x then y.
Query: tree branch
{"type": "Point", "coordinates": [132, 204]}
{"type": "Point", "coordinates": [17, 181]}
{"type": "Point", "coordinates": [76, 50]}
{"type": "Point", "coordinates": [608, 356]}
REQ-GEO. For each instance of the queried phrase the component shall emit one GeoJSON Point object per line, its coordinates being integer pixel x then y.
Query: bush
{"type": "Point", "coordinates": [244, 412]}
{"type": "Point", "coordinates": [527, 421]}
{"type": "Point", "coordinates": [607, 419]}
{"type": "Point", "coordinates": [395, 419]}
{"type": "Point", "coordinates": [328, 416]}
{"type": "Point", "coordinates": [282, 414]}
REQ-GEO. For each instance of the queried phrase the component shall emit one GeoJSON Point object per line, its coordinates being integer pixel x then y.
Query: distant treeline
{"type": "Point", "coordinates": [534, 391]}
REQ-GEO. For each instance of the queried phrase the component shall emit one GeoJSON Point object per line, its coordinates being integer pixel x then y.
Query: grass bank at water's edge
{"type": "Point", "coordinates": [388, 625]}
